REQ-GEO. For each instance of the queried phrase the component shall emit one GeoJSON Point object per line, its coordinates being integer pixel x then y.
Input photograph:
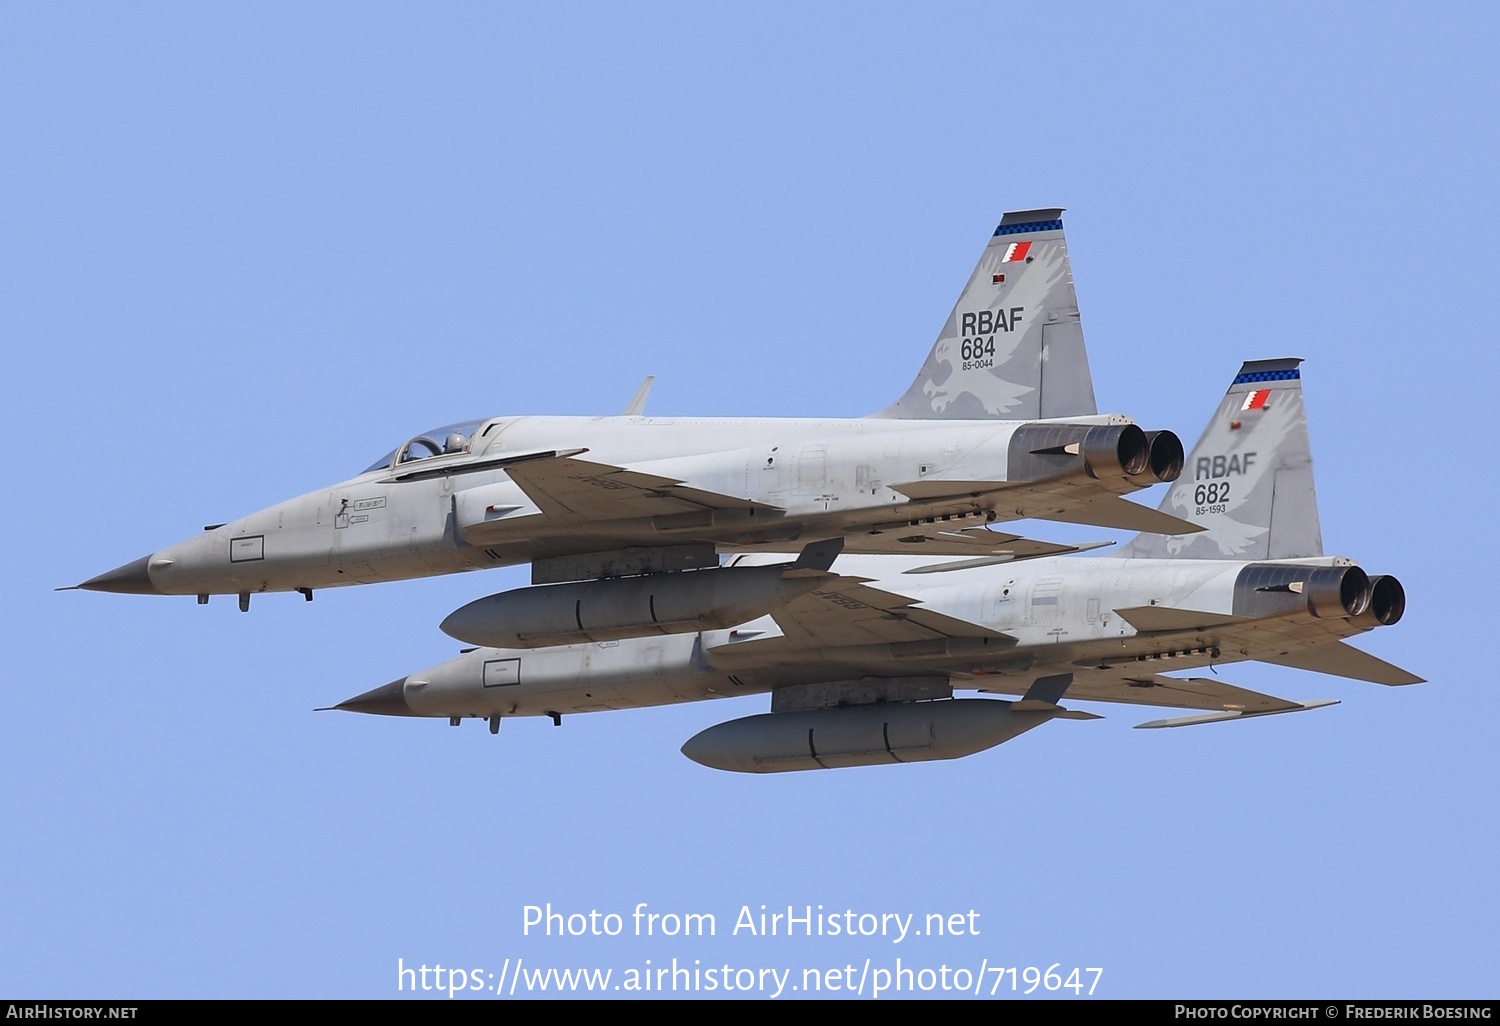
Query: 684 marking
{"type": "Point", "coordinates": [977, 329]}
{"type": "Point", "coordinates": [975, 350]}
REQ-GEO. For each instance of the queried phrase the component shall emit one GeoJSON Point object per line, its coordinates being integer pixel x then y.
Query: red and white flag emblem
{"type": "Point", "coordinates": [1256, 400]}
{"type": "Point", "coordinates": [1015, 251]}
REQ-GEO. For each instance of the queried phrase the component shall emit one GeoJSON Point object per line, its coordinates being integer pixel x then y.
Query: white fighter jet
{"type": "Point", "coordinates": [862, 654]}
{"type": "Point", "coordinates": [1000, 424]}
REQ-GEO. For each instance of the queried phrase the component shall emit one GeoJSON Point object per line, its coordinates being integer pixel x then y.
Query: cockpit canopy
{"type": "Point", "coordinates": [443, 441]}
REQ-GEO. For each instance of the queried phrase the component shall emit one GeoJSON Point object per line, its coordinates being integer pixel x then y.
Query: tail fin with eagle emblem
{"type": "Point", "coordinates": [1013, 346]}
{"type": "Point", "coordinates": [1249, 481]}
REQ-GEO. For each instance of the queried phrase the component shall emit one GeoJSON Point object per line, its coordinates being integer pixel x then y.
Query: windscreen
{"type": "Point", "coordinates": [441, 441]}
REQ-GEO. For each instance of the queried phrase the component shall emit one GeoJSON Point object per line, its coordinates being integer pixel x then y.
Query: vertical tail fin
{"type": "Point", "coordinates": [1013, 346]}
{"type": "Point", "coordinates": [1248, 481]}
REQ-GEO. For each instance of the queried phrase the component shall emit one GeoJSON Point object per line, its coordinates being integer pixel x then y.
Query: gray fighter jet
{"type": "Point", "coordinates": [1000, 424]}
{"type": "Point", "coordinates": [862, 654]}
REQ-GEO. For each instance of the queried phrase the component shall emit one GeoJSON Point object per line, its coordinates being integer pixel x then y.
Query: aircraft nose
{"type": "Point", "coordinates": [386, 700]}
{"type": "Point", "coordinates": [130, 579]}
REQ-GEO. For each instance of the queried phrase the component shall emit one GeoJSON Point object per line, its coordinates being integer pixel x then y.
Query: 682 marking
{"type": "Point", "coordinates": [1213, 492]}
{"type": "Point", "coordinates": [1212, 497]}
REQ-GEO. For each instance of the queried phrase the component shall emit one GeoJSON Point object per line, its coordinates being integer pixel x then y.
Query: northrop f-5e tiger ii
{"type": "Point", "coordinates": [1000, 424]}
{"type": "Point", "coordinates": [861, 655]}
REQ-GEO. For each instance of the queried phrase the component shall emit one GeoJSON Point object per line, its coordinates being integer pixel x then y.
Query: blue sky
{"type": "Point", "coordinates": [245, 249]}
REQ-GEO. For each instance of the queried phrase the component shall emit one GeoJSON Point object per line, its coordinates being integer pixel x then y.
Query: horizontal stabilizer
{"type": "Point", "coordinates": [1147, 619]}
{"type": "Point", "coordinates": [1343, 660]}
{"type": "Point", "coordinates": [1123, 515]}
{"type": "Point", "coordinates": [1219, 717]}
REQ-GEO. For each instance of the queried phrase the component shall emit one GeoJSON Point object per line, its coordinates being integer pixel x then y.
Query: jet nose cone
{"type": "Point", "coordinates": [386, 700]}
{"type": "Point", "coordinates": [130, 579]}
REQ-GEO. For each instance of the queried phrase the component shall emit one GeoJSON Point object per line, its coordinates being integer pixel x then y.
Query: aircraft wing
{"type": "Point", "coordinates": [845, 611]}
{"type": "Point", "coordinates": [1072, 500]}
{"type": "Point", "coordinates": [1174, 692]}
{"type": "Point", "coordinates": [1343, 660]}
{"type": "Point", "coordinates": [1217, 699]}
{"type": "Point", "coordinates": [1301, 641]}
{"type": "Point", "coordinates": [939, 540]}
{"type": "Point", "coordinates": [579, 491]}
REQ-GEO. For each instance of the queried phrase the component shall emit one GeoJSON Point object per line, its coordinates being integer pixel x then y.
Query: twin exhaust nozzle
{"type": "Point", "coordinates": [1121, 457]}
{"type": "Point", "coordinates": [1125, 452]}
{"type": "Point", "coordinates": [1377, 601]}
{"type": "Point", "coordinates": [1326, 592]}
